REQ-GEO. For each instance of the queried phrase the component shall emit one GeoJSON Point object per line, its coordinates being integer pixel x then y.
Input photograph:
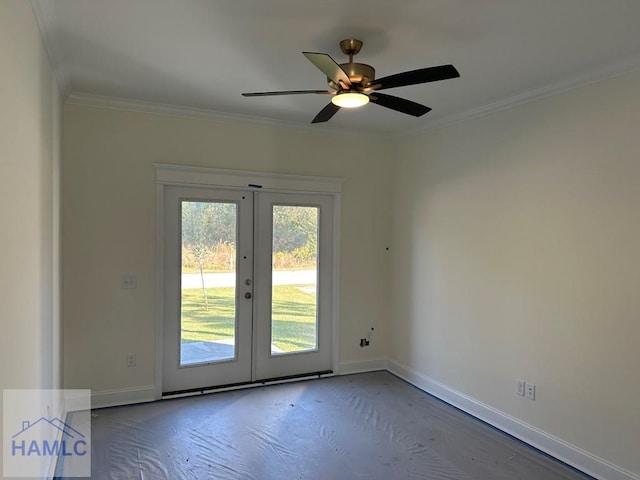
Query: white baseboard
{"type": "Point", "coordinates": [363, 366]}
{"type": "Point", "coordinates": [149, 393]}
{"type": "Point", "coordinates": [123, 396]}
{"type": "Point", "coordinates": [557, 448]}
{"type": "Point", "coordinates": [74, 400]}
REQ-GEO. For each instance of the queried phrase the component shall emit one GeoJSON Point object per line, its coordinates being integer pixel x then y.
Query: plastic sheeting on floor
{"type": "Point", "coordinates": [366, 426]}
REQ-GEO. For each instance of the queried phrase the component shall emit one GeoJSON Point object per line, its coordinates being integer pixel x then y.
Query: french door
{"type": "Point", "coordinates": [247, 286]}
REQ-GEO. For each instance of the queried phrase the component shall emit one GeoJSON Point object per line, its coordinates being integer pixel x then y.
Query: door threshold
{"type": "Point", "coordinates": [245, 385]}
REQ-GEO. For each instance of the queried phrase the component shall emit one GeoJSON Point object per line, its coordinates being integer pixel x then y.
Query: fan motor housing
{"type": "Point", "coordinates": [360, 74]}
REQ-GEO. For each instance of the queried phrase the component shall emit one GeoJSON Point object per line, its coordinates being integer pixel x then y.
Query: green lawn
{"type": "Point", "coordinates": [294, 316]}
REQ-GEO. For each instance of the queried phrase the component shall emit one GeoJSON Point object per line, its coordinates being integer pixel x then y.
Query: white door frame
{"type": "Point", "coordinates": [185, 176]}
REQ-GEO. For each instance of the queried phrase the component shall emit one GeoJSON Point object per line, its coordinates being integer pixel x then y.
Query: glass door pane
{"type": "Point", "coordinates": [208, 282]}
{"type": "Point", "coordinates": [294, 270]}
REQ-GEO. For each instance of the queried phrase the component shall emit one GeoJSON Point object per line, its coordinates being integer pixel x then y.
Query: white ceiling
{"type": "Point", "coordinates": [204, 53]}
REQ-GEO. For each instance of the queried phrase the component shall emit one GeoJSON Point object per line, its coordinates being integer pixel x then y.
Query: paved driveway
{"type": "Point", "coordinates": [280, 277]}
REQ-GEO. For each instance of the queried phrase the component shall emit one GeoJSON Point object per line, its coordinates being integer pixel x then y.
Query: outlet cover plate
{"type": "Point", "coordinates": [128, 281]}
{"type": "Point", "coordinates": [132, 361]}
{"type": "Point", "coordinates": [531, 391]}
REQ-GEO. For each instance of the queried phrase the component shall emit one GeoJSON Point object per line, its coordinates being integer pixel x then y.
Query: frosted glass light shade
{"type": "Point", "coordinates": [350, 100]}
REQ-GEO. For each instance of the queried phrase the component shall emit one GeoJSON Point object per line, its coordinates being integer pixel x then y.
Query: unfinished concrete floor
{"type": "Point", "coordinates": [365, 426]}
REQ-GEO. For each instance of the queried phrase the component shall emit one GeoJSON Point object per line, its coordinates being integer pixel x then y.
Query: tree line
{"type": "Point", "coordinates": [209, 232]}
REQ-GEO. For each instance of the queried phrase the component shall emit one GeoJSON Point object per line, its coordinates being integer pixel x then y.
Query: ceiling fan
{"type": "Point", "coordinates": [354, 84]}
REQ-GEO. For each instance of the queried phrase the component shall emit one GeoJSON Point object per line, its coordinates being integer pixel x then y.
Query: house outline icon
{"type": "Point", "coordinates": [55, 422]}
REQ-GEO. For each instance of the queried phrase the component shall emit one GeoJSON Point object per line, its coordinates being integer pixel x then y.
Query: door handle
{"type": "Point", "coordinates": [247, 295]}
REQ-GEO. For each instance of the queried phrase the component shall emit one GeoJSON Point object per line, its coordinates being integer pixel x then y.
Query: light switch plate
{"type": "Point", "coordinates": [520, 387]}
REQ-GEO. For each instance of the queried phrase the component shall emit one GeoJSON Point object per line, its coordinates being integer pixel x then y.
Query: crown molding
{"type": "Point", "coordinates": [621, 67]}
{"type": "Point", "coordinates": [141, 106]}
{"type": "Point", "coordinates": [45, 14]}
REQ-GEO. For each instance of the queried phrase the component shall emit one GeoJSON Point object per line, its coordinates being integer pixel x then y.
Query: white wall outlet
{"type": "Point", "coordinates": [531, 391]}
{"type": "Point", "coordinates": [128, 281]}
{"type": "Point", "coordinates": [132, 361]}
{"type": "Point", "coordinates": [520, 387]}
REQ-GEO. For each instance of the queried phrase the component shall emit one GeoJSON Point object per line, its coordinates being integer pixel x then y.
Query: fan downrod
{"type": "Point", "coordinates": [351, 47]}
{"type": "Point", "coordinates": [360, 74]}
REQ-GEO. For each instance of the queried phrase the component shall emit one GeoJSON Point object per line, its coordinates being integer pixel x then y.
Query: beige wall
{"type": "Point", "coordinates": [514, 247]}
{"type": "Point", "coordinates": [109, 208]}
{"type": "Point", "coordinates": [516, 253]}
{"type": "Point", "coordinates": [29, 158]}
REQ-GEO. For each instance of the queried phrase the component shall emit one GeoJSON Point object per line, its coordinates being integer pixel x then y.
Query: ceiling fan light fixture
{"type": "Point", "coordinates": [350, 99]}
{"type": "Point", "coordinates": [352, 82]}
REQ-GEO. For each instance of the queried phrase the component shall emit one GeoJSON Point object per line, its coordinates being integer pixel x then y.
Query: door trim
{"type": "Point", "coordinates": [189, 176]}
{"type": "Point", "coordinates": [180, 175]}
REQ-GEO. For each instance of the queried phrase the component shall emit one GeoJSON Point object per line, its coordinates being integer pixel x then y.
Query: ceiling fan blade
{"type": "Point", "coordinates": [414, 77]}
{"type": "Point", "coordinates": [399, 104]}
{"type": "Point", "coordinates": [329, 67]}
{"type": "Point", "coordinates": [289, 92]}
{"type": "Point", "coordinates": [326, 113]}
